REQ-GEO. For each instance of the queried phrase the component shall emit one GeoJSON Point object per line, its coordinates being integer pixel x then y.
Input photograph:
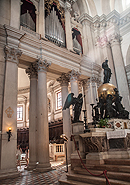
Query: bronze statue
{"type": "Point", "coordinates": [107, 72]}
{"type": "Point", "coordinates": [122, 113]}
{"type": "Point", "coordinates": [76, 102]}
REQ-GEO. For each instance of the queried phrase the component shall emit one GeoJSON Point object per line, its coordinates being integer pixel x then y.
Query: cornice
{"type": "Point", "coordinates": [13, 32]}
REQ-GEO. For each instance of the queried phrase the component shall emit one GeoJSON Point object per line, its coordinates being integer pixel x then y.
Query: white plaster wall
{"type": "Point", "coordinates": [23, 80]}
{"type": "Point", "coordinates": [98, 6]}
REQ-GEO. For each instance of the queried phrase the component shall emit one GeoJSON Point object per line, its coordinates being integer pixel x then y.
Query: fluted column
{"type": "Point", "coordinates": [63, 80]}
{"type": "Point", "coordinates": [32, 73]}
{"type": "Point", "coordinates": [88, 38]}
{"type": "Point", "coordinates": [42, 127]}
{"type": "Point", "coordinates": [122, 84]}
{"type": "Point", "coordinates": [69, 42]}
{"type": "Point", "coordinates": [8, 148]}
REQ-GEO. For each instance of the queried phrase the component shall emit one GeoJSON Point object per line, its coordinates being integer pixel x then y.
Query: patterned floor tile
{"type": "Point", "coordinates": [33, 178]}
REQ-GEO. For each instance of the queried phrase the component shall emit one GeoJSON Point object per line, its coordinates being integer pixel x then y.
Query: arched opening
{"type": "Point", "coordinates": [28, 15]}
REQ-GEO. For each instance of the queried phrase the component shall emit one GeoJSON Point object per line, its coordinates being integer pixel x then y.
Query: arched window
{"type": "Point", "coordinates": [28, 15]}
{"type": "Point", "coordinates": [77, 41]}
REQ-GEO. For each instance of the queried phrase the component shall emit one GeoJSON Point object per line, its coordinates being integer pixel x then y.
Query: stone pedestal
{"type": "Point", "coordinates": [77, 128]}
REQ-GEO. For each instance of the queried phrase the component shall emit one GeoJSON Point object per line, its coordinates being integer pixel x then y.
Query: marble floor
{"type": "Point", "coordinates": [34, 178]}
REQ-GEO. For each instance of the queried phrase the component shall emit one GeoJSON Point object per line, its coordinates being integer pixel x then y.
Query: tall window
{"type": "Point", "coordinates": [59, 101]}
{"type": "Point", "coordinates": [20, 113]}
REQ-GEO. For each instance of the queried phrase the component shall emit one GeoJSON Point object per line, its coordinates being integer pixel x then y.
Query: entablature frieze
{"type": "Point", "coordinates": [113, 20]}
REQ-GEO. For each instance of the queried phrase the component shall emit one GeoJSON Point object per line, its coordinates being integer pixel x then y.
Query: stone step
{"type": "Point", "coordinates": [113, 168]}
{"type": "Point", "coordinates": [111, 175]}
{"type": "Point", "coordinates": [117, 162]}
{"type": "Point", "coordinates": [63, 181]}
{"type": "Point", "coordinates": [93, 180]}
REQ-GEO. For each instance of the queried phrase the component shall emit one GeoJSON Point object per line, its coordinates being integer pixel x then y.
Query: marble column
{"type": "Point", "coordinates": [69, 43]}
{"type": "Point", "coordinates": [63, 80]}
{"type": "Point", "coordinates": [15, 15]}
{"type": "Point", "coordinates": [9, 118]}
{"type": "Point", "coordinates": [41, 18]}
{"type": "Point", "coordinates": [42, 126]}
{"type": "Point", "coordinates": [73, 76]}
{"type": "Point", "coordinates": [122, 83]}
{"type": "Point", "coordinates": [32, 73]}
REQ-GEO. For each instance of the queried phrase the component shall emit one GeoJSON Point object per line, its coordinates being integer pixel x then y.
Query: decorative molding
{"type": "Point", "coordinates": [43, 65]}
{"type": "Point", "coordinates": [9, 111]}
{"type": "Point", "coordinates": [12, 54]}
{"type": "Point", "coordinates": [86, 83]}
{"type": "Point", "coordinates": [101, 41]}
{"type": "Point", "coordinates": [63, 79]}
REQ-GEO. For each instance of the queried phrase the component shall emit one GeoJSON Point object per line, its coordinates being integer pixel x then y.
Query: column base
{"type": "Point", "coordinates": [43, 167]}
{"type": "Point", "coordinates": [11, 173]}
{"type": "Point", "coordinates": [31, 166]}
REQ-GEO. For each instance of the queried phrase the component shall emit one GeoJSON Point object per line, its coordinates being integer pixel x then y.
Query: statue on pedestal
{"type": "Point", "coordinates": [107, 72]}
{"type": "Point", "coordinates": [109, 99]}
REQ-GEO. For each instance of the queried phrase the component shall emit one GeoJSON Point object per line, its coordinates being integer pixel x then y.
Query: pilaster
{"type": "Point", "coordinates": [69, 43]}
{"type": "Point", "coordinates": [15, 15]}
{"type": "Point", "coordinates": [8, 159]}
{"type": "Point", "coordinates": [122, 83]}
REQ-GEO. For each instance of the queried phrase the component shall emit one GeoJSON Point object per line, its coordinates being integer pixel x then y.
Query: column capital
{"type": "Point", "coordinates": [73, 75]}
{"type": "Point", "coordinates": [43, 65]}
{"type": "Point", "coordinates": [12, 54]}
{"type": "Point", "coordinates": [115, 38]}
{"type": "Point", "coordinates": [86, 83]}
{"type": "Point", "coordinates": [63, 79]}
{"type": "Point", "coordinates": [32, 70]}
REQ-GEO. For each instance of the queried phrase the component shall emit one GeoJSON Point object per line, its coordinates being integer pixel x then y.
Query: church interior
{"type": "Point", "coordinates": [65, 90]}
